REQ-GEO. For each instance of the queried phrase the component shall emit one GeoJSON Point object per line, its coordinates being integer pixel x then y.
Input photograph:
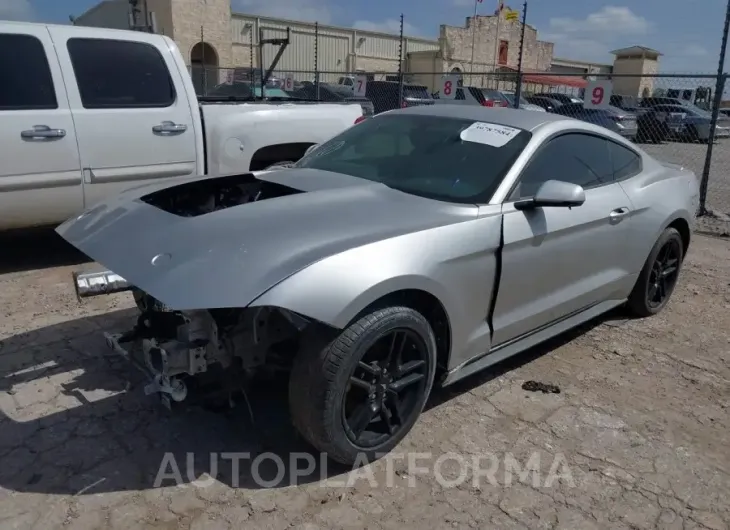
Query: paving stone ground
{"type": "Point", "coordinates": [638, 437]}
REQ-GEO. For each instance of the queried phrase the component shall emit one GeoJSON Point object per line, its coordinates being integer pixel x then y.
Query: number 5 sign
{"type": "Point", "coordinates": [598, 94]}
{"type": "Point", "coordinates": [448, 87]}
{"type": "Point", "coordinates": [361, 84]}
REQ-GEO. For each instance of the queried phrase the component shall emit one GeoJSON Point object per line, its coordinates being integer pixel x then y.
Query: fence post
{"type": "Point", "coordinates": [518, 88]}
{"type": "Point", "coordinates": [316, 60]}
{"type": "Point", "coordinates": [400, 63]}
{"type": "Point", "coordinates": [719, 87]}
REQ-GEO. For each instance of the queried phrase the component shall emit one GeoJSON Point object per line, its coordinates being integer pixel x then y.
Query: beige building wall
{"type": "Point", "coordinates": [635, 62]}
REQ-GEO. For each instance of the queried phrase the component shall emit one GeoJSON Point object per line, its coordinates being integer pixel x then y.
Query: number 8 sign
{"type": "Point", "coordinates": [598, 94]}
{"type": "Point", "coordinates": [448, 87]}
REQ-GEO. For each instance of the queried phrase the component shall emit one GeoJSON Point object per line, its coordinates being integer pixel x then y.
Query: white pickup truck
{"type": "Point", "coordinates": [89, 112]}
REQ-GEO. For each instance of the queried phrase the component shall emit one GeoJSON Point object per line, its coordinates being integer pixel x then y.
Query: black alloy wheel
{"type": "Point", "coordinates": [664, 273]}
{"type": "Point", "coordinates": [361, 393]}
{"type": "Point", "coordinates": [384, 390]}
{"type": "Point", "coordinates": [658, 277]}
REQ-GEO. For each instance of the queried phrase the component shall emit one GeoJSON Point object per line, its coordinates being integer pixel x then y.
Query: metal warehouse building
{"type": "Point", "coordinates": [209, 34]}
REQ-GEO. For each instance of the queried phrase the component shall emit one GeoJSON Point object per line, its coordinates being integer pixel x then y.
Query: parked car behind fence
{"type": "Point", "coordinates": [612, 118]}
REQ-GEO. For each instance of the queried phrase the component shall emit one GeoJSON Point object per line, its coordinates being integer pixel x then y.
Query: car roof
{"type": "Point", "coordinates": [521, 119]}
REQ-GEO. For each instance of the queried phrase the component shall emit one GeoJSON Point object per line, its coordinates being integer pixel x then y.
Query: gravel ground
{"type": "Point", "coordinates": [639, 432]}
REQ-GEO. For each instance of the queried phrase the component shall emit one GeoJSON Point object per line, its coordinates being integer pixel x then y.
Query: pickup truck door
{"type": "Point", "coordinates": [40, 171]}
{"type": "Point", "coordinates": [133, 117]}
{"type": "Point", "coordinates": [558, 261]}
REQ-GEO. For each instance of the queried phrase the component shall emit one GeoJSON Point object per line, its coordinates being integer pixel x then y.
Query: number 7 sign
{"type": "Point", "coordinates": [598, 94]}
{"type": "Point", "coordinates": [360, 88]}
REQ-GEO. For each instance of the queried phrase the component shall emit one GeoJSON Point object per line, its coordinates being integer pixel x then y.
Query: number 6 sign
{"type": "Point", "coordinates": [448, 87]}
{"type": "Point", "coordinates": [598, 94]}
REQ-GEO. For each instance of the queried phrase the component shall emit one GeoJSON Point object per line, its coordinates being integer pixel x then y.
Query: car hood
{"type": "Point", "coordinates": [229, 257]}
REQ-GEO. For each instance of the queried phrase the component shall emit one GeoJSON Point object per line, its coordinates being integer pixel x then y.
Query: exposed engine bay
{"type": "Point", "coordinates": [173, 347]}
{"type": "Point", "coordinates": [209, 195]}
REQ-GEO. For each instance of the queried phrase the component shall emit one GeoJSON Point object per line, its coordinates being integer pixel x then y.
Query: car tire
{"type": "Point", "coordinates": [658, 268]}
{"type": "Point", "coordinates": [322, 392]}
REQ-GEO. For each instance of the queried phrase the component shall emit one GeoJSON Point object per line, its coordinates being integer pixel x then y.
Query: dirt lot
{"type": "Point", "coordinates": [642, 422]}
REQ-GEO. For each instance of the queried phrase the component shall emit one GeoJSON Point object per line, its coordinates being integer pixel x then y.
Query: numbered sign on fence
{"type": "Point", "coordinates": [448, 87]}
{"type": "Point", "coordinates": [598, 94]}
{"type": "Point", "coordinates": [289, 82]}
{"type": "Point", "coordinates": [361, 85]}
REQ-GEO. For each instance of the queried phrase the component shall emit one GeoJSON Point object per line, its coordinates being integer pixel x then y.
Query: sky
{"type": "Point", "coordinates": [687, 32]}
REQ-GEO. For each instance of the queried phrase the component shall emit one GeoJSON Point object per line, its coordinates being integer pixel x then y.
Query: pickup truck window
{"type": "Point", "coordinates": [115, 74]}
{"type": "Point", "coordinates": [25, 77]}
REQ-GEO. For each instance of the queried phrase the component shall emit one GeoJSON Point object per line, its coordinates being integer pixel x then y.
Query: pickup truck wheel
{"type": "Point", "coordinates": [659, 276]}
{"type": "Point", "coordinates": [362, 393]}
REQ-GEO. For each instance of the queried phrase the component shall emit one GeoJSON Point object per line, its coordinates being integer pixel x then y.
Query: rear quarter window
{"type": "Point", "coordinates": [626, 163]}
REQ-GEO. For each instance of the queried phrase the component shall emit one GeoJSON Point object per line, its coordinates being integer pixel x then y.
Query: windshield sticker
{"type": "Point", "coordinates": [488, 134]}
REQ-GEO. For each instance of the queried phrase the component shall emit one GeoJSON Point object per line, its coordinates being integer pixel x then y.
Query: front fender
{"type": "Point", "coordinates": [339, 302]}
{"type": "Point", "coordinates": [456, 264]}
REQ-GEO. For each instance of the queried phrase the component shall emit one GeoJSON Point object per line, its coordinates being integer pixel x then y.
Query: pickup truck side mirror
{"type": "Point", "coordinates": [554, 193]}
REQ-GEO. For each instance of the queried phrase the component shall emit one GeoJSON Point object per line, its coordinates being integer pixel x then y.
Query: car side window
{"type": "Point", "coordinates": [577, 158]}
{"type": "Point", "coordinates": [120, 74]}
{"type": "Point", "coordinates": [626, 163]}
{"type": "Point", "coordinates": [25, 76]}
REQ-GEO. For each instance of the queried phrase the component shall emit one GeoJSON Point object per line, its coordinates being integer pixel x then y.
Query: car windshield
{"type": "Point", "coordinates": [449, 159]}
{"type": "Point", "coordinates": [511, 98]}
{"type": "Point", "coordinates": [416, 92]}
{"type": "Point", "coordinates": [243, 90]}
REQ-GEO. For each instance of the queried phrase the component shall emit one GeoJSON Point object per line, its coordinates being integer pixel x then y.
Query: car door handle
{"type": "Point", "coordinates": [618, 214]}
{"type": "Point", "coordinates": [169, 127]}
{"type": "Point", "coordinates": [41, 132]}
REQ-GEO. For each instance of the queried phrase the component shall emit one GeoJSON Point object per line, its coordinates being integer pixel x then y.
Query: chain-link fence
{"type": "Point", "coordinates": [669, 116]}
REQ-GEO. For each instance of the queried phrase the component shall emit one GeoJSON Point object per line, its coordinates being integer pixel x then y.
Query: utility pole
{"type": "Point", "coordinates": [518, 89]}
{"type": "Point", "coordinates": [719, 88]}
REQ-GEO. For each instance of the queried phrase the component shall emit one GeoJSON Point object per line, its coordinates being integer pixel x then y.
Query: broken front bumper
{"type": "Point", "coordinates": [151, 360]}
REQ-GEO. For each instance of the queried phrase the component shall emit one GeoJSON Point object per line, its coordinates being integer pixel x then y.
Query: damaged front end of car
{"type": "Point", "coordinates": [215, 351]}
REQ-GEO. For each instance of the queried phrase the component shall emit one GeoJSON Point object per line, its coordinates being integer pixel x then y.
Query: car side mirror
{"type": "Point", "coordinates": [554, 193]}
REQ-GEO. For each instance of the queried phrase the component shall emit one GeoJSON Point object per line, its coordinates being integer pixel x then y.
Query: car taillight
{"type": "Point", "coordinates": [487, 103]}
{"type": "Point", "coordinates": [403, 105]}
{"type": "Point", "coordinates": [361, 118]}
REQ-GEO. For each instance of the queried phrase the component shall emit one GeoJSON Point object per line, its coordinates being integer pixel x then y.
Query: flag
{"type": "Point", "coordinates": [500, 7]}
{"type": "Point", "coordinates": [511, 15]}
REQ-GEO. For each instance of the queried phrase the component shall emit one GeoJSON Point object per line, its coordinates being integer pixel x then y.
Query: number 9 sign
{"type": "Point", "coordinates": [598, 94]}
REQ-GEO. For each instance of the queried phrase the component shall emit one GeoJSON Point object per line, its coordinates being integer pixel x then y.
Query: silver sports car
{"type": "Point", "coordinates": [414, 249]}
